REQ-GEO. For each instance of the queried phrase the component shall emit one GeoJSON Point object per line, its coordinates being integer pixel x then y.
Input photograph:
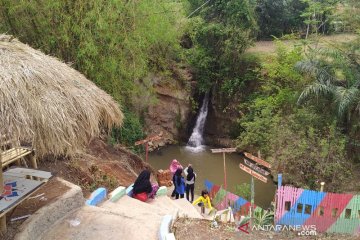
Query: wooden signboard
{"type": "Point", "coordinates": [256, 168]}
{"type": "Point", "coordinates": [253, 173]}
{"type": "Point", "coordinates": [222, 150]}
{"type": "Point", "coordinates": [258, 160]}
{"type": "Point", "coordinates": [146, 142]}
{"type": "Point", "coordinates": [149, 139]}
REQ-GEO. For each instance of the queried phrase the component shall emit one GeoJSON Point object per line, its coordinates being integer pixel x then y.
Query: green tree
{"type": "Point", "coordinates": [349, 16]}
{"type": "Point", "coordinates": [114, 43]}
{"type": "Point", "coordinates": [220, 32]}
{"type": "Point", "coordinates": [337, 78]}
{"type": "Point", "coordinates": [305, 143]}
{"type": "Point", "coordinates": [279, 17]}
{"type": "Point", "coordinates": [317, 14]}
{"type": "Point", "coordinates": [336, 75]}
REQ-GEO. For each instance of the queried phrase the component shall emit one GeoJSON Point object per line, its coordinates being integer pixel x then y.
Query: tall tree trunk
{"type": "Point", "coordinates": [307, 29]}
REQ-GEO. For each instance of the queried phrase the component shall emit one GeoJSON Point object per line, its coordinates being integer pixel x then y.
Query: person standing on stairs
{"type": "Point", "coordinates": [189, 182]}
{"type": "Point", "coordinates": [179, 184]}
{"type": "Point", "coordinates": [175, 165]}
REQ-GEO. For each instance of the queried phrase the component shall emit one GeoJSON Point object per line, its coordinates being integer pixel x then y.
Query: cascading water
{"type": "Point", "coordinates": [195, 142]}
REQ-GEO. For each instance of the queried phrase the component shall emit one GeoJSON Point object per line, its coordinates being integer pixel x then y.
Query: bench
{"type": "Point", "coordinates": [10, 152]}
{"type": "Point", "coordinates": [14, 154]}
{"type": "Point", "coordinates": [18, 188]}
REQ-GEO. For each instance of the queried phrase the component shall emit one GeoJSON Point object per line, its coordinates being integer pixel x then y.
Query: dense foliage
{"type": "Point", "coordinates": [279, 17]}
{"type": "Point", "coordinates": [111, 42]}
{"type": "Point", "coordinates": [289, 135]}
{"type": "Point", "coordinates": [114, 43]}
{"type": "Point", "coordinates": [220, 32]}
{"type": "Point", "coordinates": [318, 15]}
{"type": "Point", "coordinates": [299, 107]}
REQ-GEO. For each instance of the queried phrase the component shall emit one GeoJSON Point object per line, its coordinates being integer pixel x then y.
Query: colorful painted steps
{"type": "Point", "coordinates": [129, 190]}
{"type": "Point", "coordinates": [118, 193]}
{"type": "Point", "coordinates": [221, 199]}
{"type": "Point", "coordinates": [162, 191]}
{"type": "Point", "coordinates": [100, 194]}
{"type": "Point", "coordinates": [96, 197]}
{"type": "Point", "coordinates": [122, 191]}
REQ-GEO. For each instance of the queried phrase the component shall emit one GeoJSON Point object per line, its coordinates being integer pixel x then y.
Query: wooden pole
{"type": "Point", "coordinates": [3, 225]}
{"type": "Point", "coordinates": [225, 184]}
{"type": "Point", "coordinates": [252, 202]}
{"type": "Point", "coordinates": [276, 194]}
{"type": "Point", "coordinates": [252, 209]}
{"type": "Point", "coordinates": [33, 161]}
{"type": "Point", "coordinates": [1, 178]}
{"type": "Point", "coordinates": [322, 186]}
{"type": "Point", "coordinates": [223, 151]}
{"type": "Point", "coordinates": [146, 150]}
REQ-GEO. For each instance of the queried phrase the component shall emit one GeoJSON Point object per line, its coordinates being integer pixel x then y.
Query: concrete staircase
{"type": "Point", "coordinates": [126, 219]}
{"type": "Point", "coordinates": [182, 206]}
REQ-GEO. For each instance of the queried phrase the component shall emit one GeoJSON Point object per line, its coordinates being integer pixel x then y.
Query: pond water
{"type": "Point", "coordinates": [210, 166]}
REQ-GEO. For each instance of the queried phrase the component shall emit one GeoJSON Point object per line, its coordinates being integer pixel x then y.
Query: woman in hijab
{"type": "Point", "coordinates": [189, 182]}
{"type": "Point", "coordinates": [142, 186]}
{"type": "Point", "coordinates": [179, 184]}
{"type": "Point", "coordinates": [175, 165]}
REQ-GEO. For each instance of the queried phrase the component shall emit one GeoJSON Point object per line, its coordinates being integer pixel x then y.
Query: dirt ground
{"type": "Point", "coordinates": [45, 195]}
{"type": "Point", "coordinates": [101, 165]}
{"type": "Point", "coordinates": [197, 229]}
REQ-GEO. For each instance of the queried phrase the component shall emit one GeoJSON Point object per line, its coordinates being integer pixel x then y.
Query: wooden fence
{"type": "Point", "coordinates": [329, 212]}
{"type": "Point", "coordinates": [221, 199]}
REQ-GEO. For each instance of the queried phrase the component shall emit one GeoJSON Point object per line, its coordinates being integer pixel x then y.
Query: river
{"type": "Point", "coordinates": [209, 166]}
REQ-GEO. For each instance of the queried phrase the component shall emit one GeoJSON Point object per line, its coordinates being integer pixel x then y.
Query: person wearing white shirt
{"type": "Point", "coordinates": [189, 182]}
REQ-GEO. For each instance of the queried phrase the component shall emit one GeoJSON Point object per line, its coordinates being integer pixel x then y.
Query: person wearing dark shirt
{"type": "Point", "coordinates": [189, 182]}
{"type": "Point", "coordinates": [179, 184]}
{"type": "Point", "coordinates": [142, 186]}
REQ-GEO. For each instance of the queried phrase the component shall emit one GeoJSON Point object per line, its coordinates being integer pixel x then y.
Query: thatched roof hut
{"type": "Point", "coordinates": [46, 103]}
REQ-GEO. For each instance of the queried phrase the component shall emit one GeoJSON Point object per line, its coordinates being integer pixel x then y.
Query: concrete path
{"type": "Point", "coordinates": [127, 219]}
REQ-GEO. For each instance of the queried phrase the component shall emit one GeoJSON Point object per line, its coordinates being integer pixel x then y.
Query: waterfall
{"type": "Point", "coordinates": [195, 142]}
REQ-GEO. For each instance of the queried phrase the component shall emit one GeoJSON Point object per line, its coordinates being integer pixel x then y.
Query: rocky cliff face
{"type": "Point", "coordinates": [170, 112]}
{"type": "Point", "coordinates": [221, 124]}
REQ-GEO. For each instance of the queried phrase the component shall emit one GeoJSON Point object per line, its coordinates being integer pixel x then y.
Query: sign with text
{"type": "Point", "coordinates": [258, 160]}
{"type": "Point", "coordinates": [256, 168]}
{"type": "Point", "coordinates": [221, 150]}
{"type": "Point", "coordinates": [253, 173]}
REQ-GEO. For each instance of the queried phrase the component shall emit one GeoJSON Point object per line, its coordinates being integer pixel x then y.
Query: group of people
{"type": "Point", "coordinates": [143, 189]}
{"type": "Point", "coordinates": [187, 185]}
{"type": "Point", "coordinates": [182, 185]}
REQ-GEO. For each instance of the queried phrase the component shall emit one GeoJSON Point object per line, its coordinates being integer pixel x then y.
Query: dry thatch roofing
{"type": "Point", "coordinates": [45, 102]}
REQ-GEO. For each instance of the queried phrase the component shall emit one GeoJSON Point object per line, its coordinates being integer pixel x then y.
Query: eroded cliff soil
{"type": "Point", "coordinates": [171, 111]}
